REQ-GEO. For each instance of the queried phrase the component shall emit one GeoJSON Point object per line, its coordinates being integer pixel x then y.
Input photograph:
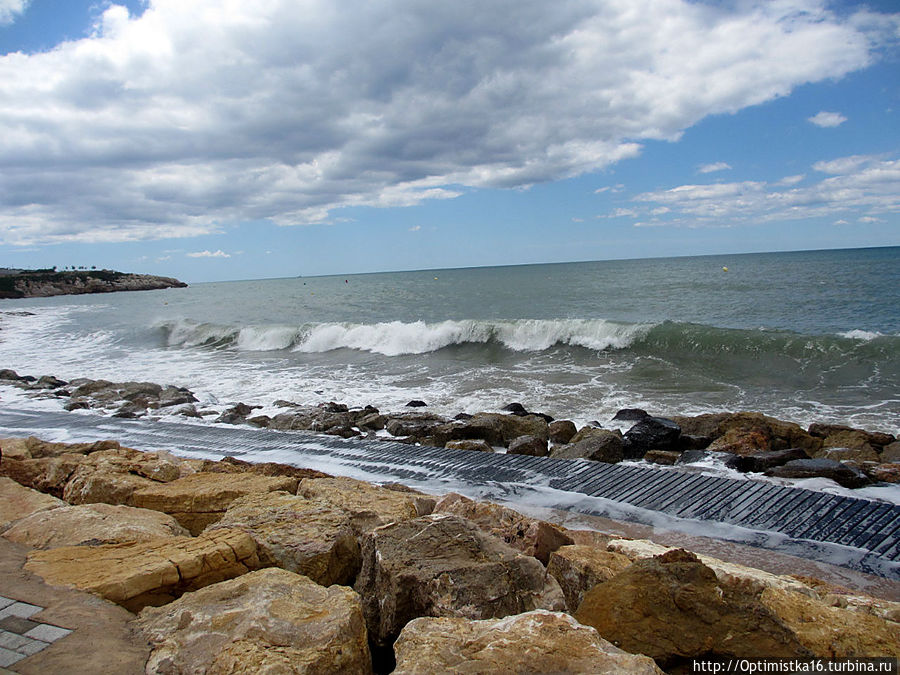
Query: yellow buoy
{"type": "Point", "coordinates": [724, 269]}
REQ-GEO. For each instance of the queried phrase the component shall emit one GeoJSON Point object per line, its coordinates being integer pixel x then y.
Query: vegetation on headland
{"type": "Point", "coordinates": [16, 283]}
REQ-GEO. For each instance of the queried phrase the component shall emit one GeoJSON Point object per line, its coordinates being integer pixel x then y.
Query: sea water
{"type": "Point", "coordinates": [805, 336]}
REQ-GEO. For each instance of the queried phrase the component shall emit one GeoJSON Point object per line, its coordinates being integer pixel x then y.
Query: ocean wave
{"type": "Point", "coordinates": [396, 338]}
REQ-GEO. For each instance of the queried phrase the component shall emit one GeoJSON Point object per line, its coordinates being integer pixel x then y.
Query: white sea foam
{"type": "Point", "coordinates": [864, 335]}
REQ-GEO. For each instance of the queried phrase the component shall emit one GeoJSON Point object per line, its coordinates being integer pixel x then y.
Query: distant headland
{"type": "Point", "coordinates": [42, 283]}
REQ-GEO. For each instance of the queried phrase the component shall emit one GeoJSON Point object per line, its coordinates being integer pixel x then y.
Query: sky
{"type": "Point", "coordinates": [224, 139]}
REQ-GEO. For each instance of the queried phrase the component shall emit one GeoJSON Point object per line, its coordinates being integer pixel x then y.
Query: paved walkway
{"type": "Point", "coordinates": [46, 630]}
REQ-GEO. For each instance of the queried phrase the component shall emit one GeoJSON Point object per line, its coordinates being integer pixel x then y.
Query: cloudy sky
{"type": "Point", "coordinates": [225, 139]}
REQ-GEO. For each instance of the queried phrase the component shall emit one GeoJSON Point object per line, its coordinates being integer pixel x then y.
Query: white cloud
{"type": "Point", "coordinates": [711, 168]}
{"type": "Point", "coordinates": [827, 119]}
{"type": "Point", "coordinates": [865, 185]}
{"type": "Point", "coordinates": [10, 9]}
{"type": "Point", "coordinates": [209, 254]}
{"type": "Point", "coordinates": [621, 213]}
{"type": "Point", "coordinates": [199, 114]}
{"type": "Point", "coordinates": [792, 180]}
{"type": "Point", "coordinates": [415, 228]}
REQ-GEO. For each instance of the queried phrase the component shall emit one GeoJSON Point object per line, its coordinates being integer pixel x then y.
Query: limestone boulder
{"type": "Point", "coordinates": [840, 473]}
{"type": "Point", "coordinates": [367, 505]}
{"type": "Point", "coordinates": [46, 474]}
{"type": "Point", "coordinates": [533, 642]}
{"type": "Point", "coordinates": [886, 473]}
{"type": "Point", "coordinates": [663, 457]}
{"type": "Point", "coordinates": [601, 445]}
{"type": "Point", "coordinates": [512, 426]}
{"type": "Point", "coordinates": [532, 537]}
{"type": "Point", "coordinates": [673, 607]}
{"type": "Point", "coordinates": [18, 501]}
{"type": "Point", "coordinates": [307, 537]}
{"type": "Point", "coordinates": [578, 569]}
{"type": "Point", "coordinates": [760, 461]}
{"type": "Point", "coordinates": [201, 499]}
{"type": "Point", "coordinates": [269, 621]}
{"type": "Point", "coordinates": [112, 476]}
{"type": "Point", "coordinates": [864, 453]}
{"type": "Point", "coordinates": [891, 452]}
{"type": "Point", "coordinates": [445, 566]}
{"type": "Point", "coordinates": [154, 572]}
{"type": "Point", "coordinates": [840, 435]}
{"type": "Point", "coordinates": [92, 524]}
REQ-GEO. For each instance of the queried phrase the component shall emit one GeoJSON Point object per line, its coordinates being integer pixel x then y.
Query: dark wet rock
{"type": "Point", "coordinates": [544, 416]}
{"type": "Point", "coordinates": [413, 424]}
{"type": "Point", "coordinates": [188, 410]}
{"type": "Point", "coordinates": [281, 403]}
{"type": "Point", "coordinates": [49, 382]}
{"type": "Point", "coordinates": [587, 432]}
{"type": "Point", "coordinates": [11, 375]}
{"type": "Point", "coordinates": [562, 431]}
{"type": "Point", "coordinates": [415, 403]}
{"type": "Point", "coordinates": [865, 453]}
{"type": "Point", "coordinates": [630, 415]}
{"type": "Point", "coordinates": [461, 417]}
{"type": "Point", "coordinates": [515, 408]}
{"type": "Point", "coordinates": [840, 473]}
{"type": "Point", "coordinates": [131, 410]}
{"type": "Point", "coordinates": [528, 445]}
{"type": "Point", "coordinates": [606, 446]}
{"type": "Point", "coordinates": [693, 442]}
{"type": "Point", "coordinates": [762, 461]}
{"type": "Point", "coordinates": [651, 433]}
{"type": "Point", "coordinates": [77, 404]}
{"type": "Point", "coordinates": [664, 457]}
{"type": "Point", "coordinates": [333, 407]}
{"type": "Point", "coordinates": [826, 431]}
{"type": "Point", "coordinates": [891, 452]}
{"type": "Point", "coordinates": [260, 421]}
{"type": "Point", "coordinates": [172, 396]}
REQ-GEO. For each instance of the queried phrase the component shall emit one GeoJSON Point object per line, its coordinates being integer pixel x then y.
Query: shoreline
{"type": "Point", "coordinates": [22, 284]}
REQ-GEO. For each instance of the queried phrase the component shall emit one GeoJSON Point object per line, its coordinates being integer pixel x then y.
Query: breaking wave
{"type": "Point", "coordinates": [398, 338]}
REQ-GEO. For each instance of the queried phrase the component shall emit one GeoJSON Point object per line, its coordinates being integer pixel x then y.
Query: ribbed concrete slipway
{"type": "Point", "coordinates": [859, 533]}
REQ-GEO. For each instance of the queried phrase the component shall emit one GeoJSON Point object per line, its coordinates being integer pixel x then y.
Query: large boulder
{"type": "Point", "coordinates": [201, 499]}
{"type": "Point", "coordinates": [297, 534]}
{"type": "Point", "coordinates": [748, 432]}
{"type": "Point", "coordinates": [532, 537]}
{"type": "Point", "coordinates": [367, 505]}
{"type": "Point", "coordinates": [92, 524]}
{"type": "Point", "coordinates": [673, 608]}
{"type": "Point", "coordinates": [473, 445]}
{"type": "Point", "coordinates": [112, 476]}
{"type": "Point", "coordinates": [531, 643]}
{"type": "Point", "coordinates": [154, 572]}
{"type": "Point", "coordinates": [840, 473]}
{"type": "Point", "coordinates": [269, 621]}
{"type": "Point", "coordinates": [528, 445]}
{"type": "Point", "coordinates": [601, 445]}
{"type": "Point", "coordinates": [443, 565]}
{"type": "Point", "coordinates": [578, 569]}
{"type": "Point", "coordinates": [836, 431]}
{"type": "Point", "coordinates": [18, 501]}
{"type": "Point", "coordinates": [651, 433]}
{"type": "Point", "coordinates": [46, 474]}
{"type": "Point", "coordinates": [863, 453]}
{"type": "Point", "coordinates": [561, 431]}
{"type": "Point", "coordinates": [760, 461]}
{"type": "Point", "coordinates": [510, 426]}
{"type": "Point", "coordinates": [891, 452]}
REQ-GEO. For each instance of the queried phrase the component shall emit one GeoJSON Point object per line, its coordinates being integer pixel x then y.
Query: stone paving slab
{"type": "Point", "coordinates": [20, 637]}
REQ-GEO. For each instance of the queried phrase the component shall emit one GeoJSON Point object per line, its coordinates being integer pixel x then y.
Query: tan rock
{"type": "Point", "coordinates": [530, 536]}
{"type": "Point", "coordinates": [888, 473]}
{"type": "Point", "coordinates": [674, 607]}
{"type": "Point", "coordinates": [46, 474]}
{"type": "Point", "coordinates": [18, 501]}
{"type": "Point", "coordinates": [153, 572]}
{"type": "Point", "coordinates": [513, 426]}
{"type": "Point", "coordinates": [270, 621]}
{"type": "Point", "coordinates": [34, 448]}
{"type": "Point", "coordinates": [112, 476]}
{"type": "Point", "coordinates": [92, 524]}
{"type": "Point", "coordinates": [534, 642]}
{"type": "Point", "coordinates": [297, 534]}
{"type": "Point", "coordinates": [443, 565]}
{"type": "Point", "coordinates": [369, 506]}
{"type": "Point", "coordinates": [891, 452]}
{"type": "Point", "coordinates": [860, 454]}
{"type": "Point", "coordinates": [730, 574]}
{"type": "Point", "coordinates": [578, 569]}
{"type": "Point", "coordinates": [476, 445]}
{"type": "Point", "coordinates": [201, 499]}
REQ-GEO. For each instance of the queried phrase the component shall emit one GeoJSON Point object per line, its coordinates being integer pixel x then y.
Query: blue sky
{"type": "Point", "coordinates": [215, 140]}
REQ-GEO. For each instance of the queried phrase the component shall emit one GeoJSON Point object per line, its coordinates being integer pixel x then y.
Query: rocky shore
{"type": "Point", "coordinates": [748, 442]}
{"type": "Point", "coordinates": [46, 283]}
{"type": "Point", "coordinates": [230, 567]}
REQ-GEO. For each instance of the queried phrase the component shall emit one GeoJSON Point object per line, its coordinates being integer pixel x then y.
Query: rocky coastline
{"type": "Point", "coordinates": [749, 442]}
{"type": "Point", "coordinates": [47, 283]}
{"type": "Point", "coordinates": [231, 567]}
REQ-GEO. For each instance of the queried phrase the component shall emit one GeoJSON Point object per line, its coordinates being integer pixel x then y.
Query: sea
{"type": "Point", "coordinates": [810, 336]}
